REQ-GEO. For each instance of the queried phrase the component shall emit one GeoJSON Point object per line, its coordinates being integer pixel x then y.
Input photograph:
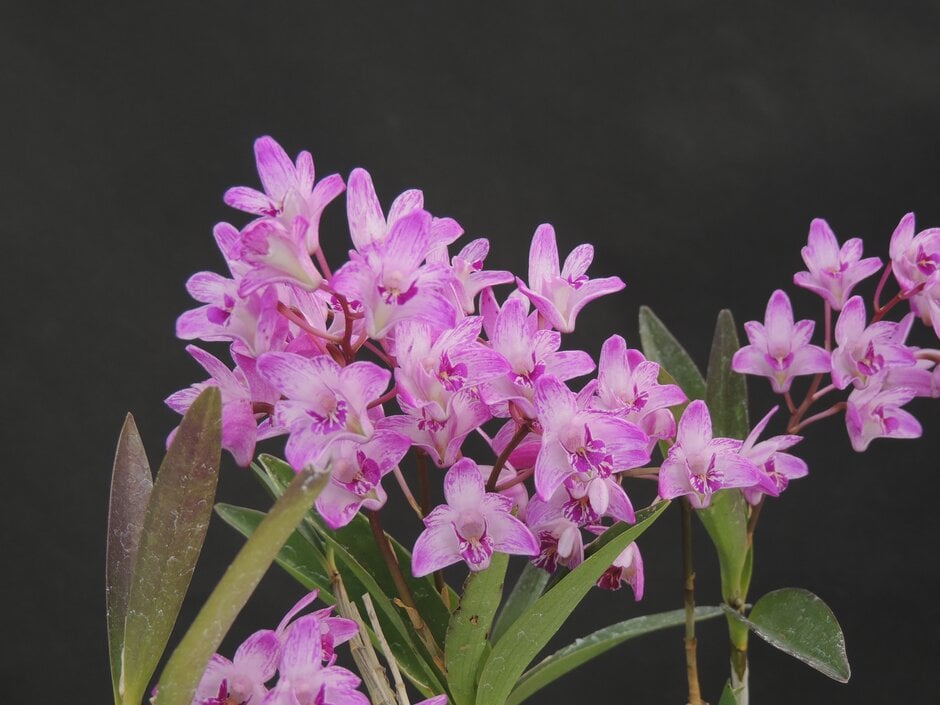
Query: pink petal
{"type": "Point", "coordinates": [258, 655]}
{"type": "Point", "coordinates": [510, 535]}
{"type": "Point", "coordinates": [250, 200]}
{"type": "Point", "coordinates": [463, 485]}
{"type": "Point", "coordinates": [543, 258]}
{"type": "Point", "coordinates": [435, 548]}
{"type": "Point", "coordinates": [695, 427]}
{"type": "Point", "coordinates": [577, 262]}
{"type": "Point", "coordinates": [275, 168]}
{"type": "Point", "coordinates": [407, 202]}
{"type": "Point", "coordinates": [366, 222]}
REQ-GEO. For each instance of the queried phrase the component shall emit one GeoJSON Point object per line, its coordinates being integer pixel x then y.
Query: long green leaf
{"type": "Point", "coordinates": [727, 695]}
{"type": "Point", "coordinates": [586, 648]}
{"type": "Point", "coordinates": [174, 529]}
{"type": "Point", "coordinates": [528, 589]}
{"type": "Point", "coordinates": [182, 673]}
{"type": "Point", "coordinates": [131, 484]}
{"type": "Point", "coordinates": [799, 623]}
{"type": "Point", "coordinates": [661, 346]}
{"type": "Point", "coordinates": [301, 559]}
{"type": "Point", "coordinates": [357, 538]}
{"type": "Point", "coordinates": [469, 629]}
{"type": "Point", "coordinates": [532, 631]}
{"type": "Point", "coordinates": [725, 389]}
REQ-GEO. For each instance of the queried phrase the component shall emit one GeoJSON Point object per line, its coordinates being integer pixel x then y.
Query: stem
{"type": "Point", "coordinates": [791, 407]}
{"type": "Point", "coordinates": [831, 411]}
{"type": "Point", "coordinates": [828, 318]}
{"type": "Point", "coordinates": [324, 267]}
{"type": "Point", "coordinates": [521, 476]}
{"type": "Point", "coordinates": [901, 296]}
{"type": "Point", "coordinates": [881, 285]}
{"type": "Point", "coordinates": [404, 592]}
{"type": "Point", "coordinates": [421, 458]}
{"type": "Point", "coordinates": [295, 317]}
{"type": "Point", "coordinates": [382, 355]}
{"type": "Point", "coordinates": [752, 520]}
{"type": "Point", "coordinates": [521, 432]}
{"type": "Point", "coordinates": [412, 502]}
{"type": "Point", "coordinates": [807, 402]}
{"type": "Point", "coordinates": [388, 396]}
{"type": "Point", "coordinates": [386, 651]}
{"type": "Point", "coordinates": [691, 660]}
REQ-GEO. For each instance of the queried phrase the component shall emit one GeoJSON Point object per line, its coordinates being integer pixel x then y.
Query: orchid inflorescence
{"type": "Point", "coordinates": [406, 347]}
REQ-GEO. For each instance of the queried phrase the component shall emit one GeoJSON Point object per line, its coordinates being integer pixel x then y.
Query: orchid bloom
{"type": "Point", "coordinates": [780, 349]}
{"type": "Point", "coordinates": [874, 412]}
{"type": "Point", "coordinates": [560, 293]}
{"type": "Point", "coordinates": [239, 423]}
{"type": "Point", "coordinates": [529, 352]}
{"type": "Point", "coordinates": [391, 282]}
{"type": "Point", "coordinates": [323, 401]}
{"type": "Point", "coordinates": [368, 226]}
{"type": "Point", "coordinates": [866, 351]}
{"type": "Point", "coordinates": [303, 679]}
{"type": "Point", "coordinates": [470, 527]}
{"type": "Point", "coordinates": [833, 272]}
{"type": "Point", "coordinates": [626, 568]}
{"type": "Point", "coordinates": [275, 254]}
{"type": "Point", "coordinates": [469, 276]}
{"type": "Point", "coordinates": [628, 386]}
{"type": "Point", "coordinates": [242, 680]}
{"type": "Point", "coordinates": [698, 465]}
{"type": "Point", "coordinates": [591, 443]}
{"type": "Point", "coordinates": [333, 630]}
{"type": "Point", "coordinates": [356, 472]}
{"type": "Point", "coordinates": [289, 190]}
{"type": "Point", "coordinates": [775, 467]}
{"type": "Point", "coordinates": [915, 262]}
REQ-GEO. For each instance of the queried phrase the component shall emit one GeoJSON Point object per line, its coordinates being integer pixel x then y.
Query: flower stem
{"type": "Point", "coordinates": [691, 645]}
{"type": "Point", "coordinates": [401, 585]}
{"type": "Point", "coordinates": [521, 432]}
{"type": "Point", "coordinates": [831, 411]}
{"type": "Point", "coordinates": [293, 316]}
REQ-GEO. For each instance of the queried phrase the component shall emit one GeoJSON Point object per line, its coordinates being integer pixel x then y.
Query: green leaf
{"type": "Point", "coordinates": [727, 695]}
{"type": "Point", "coordinates": [725, 520]}
{"type": "Point", "coordinates": [301, 559]}
{"type": "Point", "coordinates": [131, 484]}
{"type": "Point", "coordinates": [661, 346]}
{"type": "Point", "coordinates": [532, 631]}
{"type": "Point", "coordinates": [182, 673]}
{"type": "Point", "coordinates": [528, 589]}
{"type": "Point", "coordinates": [358, 541]}
{"type": "Point", "coordinates": [586, 648]}
{"type": "Point", "coordinates": [364, 571]}
{"type": "Point", "coordinates": [173, 532]}
{"type": "Point", "coordinates": [726, 390]}
{"type": "Point", "coordinates": [469, 629]}
{"type": "Point", "coordinates": [802, 625]}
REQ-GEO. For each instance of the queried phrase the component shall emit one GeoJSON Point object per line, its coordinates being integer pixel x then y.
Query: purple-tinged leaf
{"type": "Point", "coordinates": [131, 483]}
{"type": "Point", "coordinates": [186, 665]}
{"type": "Point", "coordinates": [174, 528]}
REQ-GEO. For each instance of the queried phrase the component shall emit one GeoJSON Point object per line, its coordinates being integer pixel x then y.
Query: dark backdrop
{"type": "Point", "coordinates": [691, 142]}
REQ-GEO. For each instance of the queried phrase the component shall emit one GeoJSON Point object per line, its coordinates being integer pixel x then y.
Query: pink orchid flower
{"type": "Point", "coordinates": [698, 465]}
{"type": "Point", "coordinates": [867, 351]}
{"type": "Point", "coordinates": [289, 190]}
{"type": "Point", "coordinates": [241, 680]}
{"type": "Point", "coordinates": [775, 467]}
{"type": "Point", "coordinates": [833, 272]}
{"type": "Point", "coordinates": [780, 349]}
{"type": "Point", "coordinates": [626, 568]}
{"type": "Point", "coordinates": [470, 527]}
{"type": "Point", "coordinates": [559, 294]}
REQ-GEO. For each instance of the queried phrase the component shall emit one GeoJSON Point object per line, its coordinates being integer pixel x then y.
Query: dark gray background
{"type": "Point", "coordinates": [690, 142]}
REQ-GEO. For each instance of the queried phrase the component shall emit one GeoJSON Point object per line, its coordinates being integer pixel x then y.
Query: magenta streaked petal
{"type": "Point", "coordinates": [673, 478]}
{"type": "Point", "coordinates": [435, 548]}
{"type": "Point", "coordinates": [366, 221]}
{"type": "Point", "coordinates": [405, 203]}
{"type": "Point", "coordinates": [463, 485]}
{"type": "Point", "coordinates": [737, 470]}
{"type": "Point", "coordinates": [510, 535]}
{"type": "Point", "coordinates": [275, 168]}
{"type": "Point", "coordinates": [577, 262]}
{"type": "Point", "coordinates": [619, 505]}
{"type": "Point", "coordinates": [364, 381]}
{"type": "Point", "coordinates": [302, 649]}
{"type": "Point", "coordinates": [543, 257]}
{"type": "Point", "coordinates": [554, 401]}
{"type": "Point", "coordinates": [568, 364]}
{"type": "Point", "coordinates": [695, 427]}
{"type": "Point", "coordinates": [209, 287]}
{"type": "Point", "coordinates": [298, 377]}
{"type": "Point", "coordinates": [258, 655]}
{"type": "Point", "coordinates": [551, 468]}
{"type": "Point", "coordinates": [444, 231]}
{"type": "Point", "coordinates": [250, 200]}
{"type": "Point", "coordinates": [304, 172]}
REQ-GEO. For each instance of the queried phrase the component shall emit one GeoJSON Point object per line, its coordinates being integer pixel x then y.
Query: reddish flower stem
{"type": "Point", "coordinates": [688, 584]}
{"type": "Point", "coordinates": [831, 411]}
{"type": "Point", "coordinates": [388, 396]}
{"type": "Point", "coordinates": [295, 317]}
{"type": "Point", "coordinates": [521, 432]}
{"type": "Point", "coordinates": [876, 302]}
{"type": "Point", "coordinates": [519, 478]}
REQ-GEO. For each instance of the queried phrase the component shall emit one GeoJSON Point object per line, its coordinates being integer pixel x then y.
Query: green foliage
{"type": "Point", "coordinates": [528, 589]}
{"type": "Point", "coordinates": [586, 648]}
{"type": "Point", "coordinates": [799, 623]}
{"type": "Point", "coordinates": [469, 630]}
{"type": "Point", "coordinates": [171, 537]}
{"type": "Point", "coordinates": [661, 346]}
{"type": "Point", "coordinates": [131, 484]}
{"type": "Point", "coordinates": [532, 631]}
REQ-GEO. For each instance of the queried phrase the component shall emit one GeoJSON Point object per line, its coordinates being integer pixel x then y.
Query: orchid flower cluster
{"type": "Point", "coordinates": [870, 356]}
{"type": "Point", "coordinates": [411, 347]}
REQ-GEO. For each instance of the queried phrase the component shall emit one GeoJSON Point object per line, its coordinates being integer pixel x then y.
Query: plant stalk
{"type": "Point", "coordinates": [691, 645]}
